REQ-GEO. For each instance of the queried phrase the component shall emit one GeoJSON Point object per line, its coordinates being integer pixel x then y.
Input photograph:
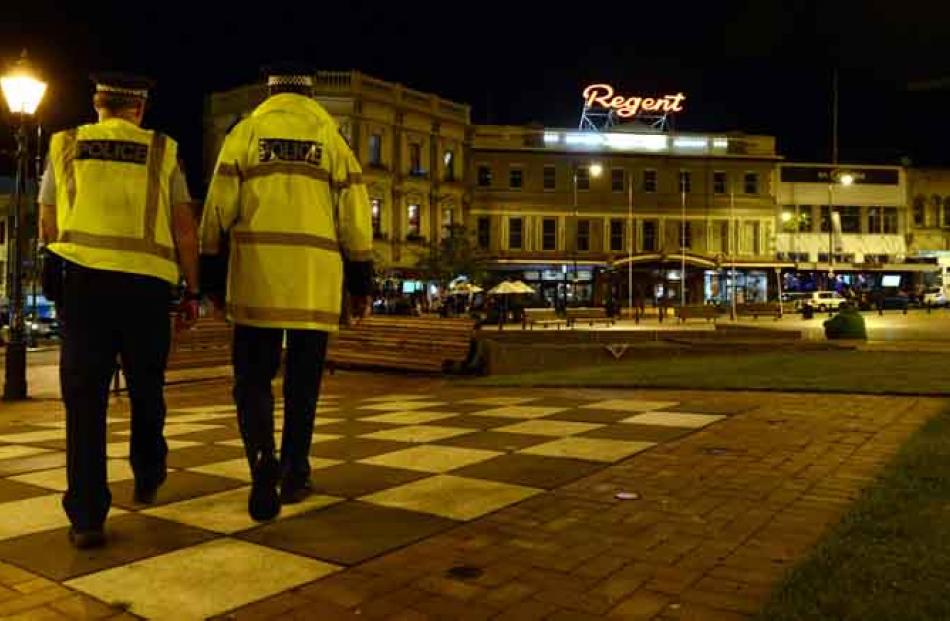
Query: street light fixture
{"type": "Point", "coordinates": [842, 178]}
{"type": "Point", "coordinates": [23, 92]}
{"type": "Point", "coordinates": [594, 170]}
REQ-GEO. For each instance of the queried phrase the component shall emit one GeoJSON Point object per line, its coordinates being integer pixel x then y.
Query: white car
{"type": "Point", "coordinates": [934, 296]}
{"type": "Point", "coordinates": [821, 300]}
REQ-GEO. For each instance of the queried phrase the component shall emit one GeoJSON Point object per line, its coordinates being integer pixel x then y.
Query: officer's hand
{"type": "Point", "coordinates": [359, 307]}
{"type": "Point", "coordinates": [188, 312]}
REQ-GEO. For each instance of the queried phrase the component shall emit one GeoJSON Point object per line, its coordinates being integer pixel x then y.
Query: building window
{"type": "Point", "coordinates": [484, 176]}
{"type": "Point", "coordinates": [751, 184]}
{"type": "Point", "coordinates": [550, 177]}
{"type": "Point", "coordinates": [376, 149]}
{"type": "Point", "coordinates": [719, 182]}
{"type": "Point", "coordinates": [850, 219]}
{"type": "Point", "coordinates": [376, 205]}
{"type": "Point", "coordinates": [582, 175]}
{"type": "Point", "coordinates": [484, 232]}
{"type": "Point", "coordinates": [875, 220]}
{"type": "Point", "coordinates": [515, 178]}
{"type": "Point", "coordinates": [686, 234]}
{"type": "Point", "coordinates": [804, 218]}
{"type": "Point", "coordinates": [616, 235]}
{"type": "Point", "coordinates": [617, 180]}
{"type": "Point", "coordinates": [515, 229]}
{"type": "Point", "coordinates": [549, 234]}
{"type": "Point", "coordinates": [649, 236]}
{"type": "Point", "coordinates": [649, 181]}
{"type": "Point", "coordinates": [414, 228]}
{"type": "Point", "coordinates": [583, 235]}
{"type": "Point", "coordinates": [946, 212]}
{"type": "Point", "coordinates": [415, 159]}
{"type": "Point", "coordinates": [3, 231]}
{"type": "Point", "coordinates": [686, 182]}
{"type": "Point", "coordinates": [788, 217]}
{"type": "Point", "coordinates": [890, 220]}
{"type": "Point", "coordinates": [919, 210]}
{"type": "Point", "coordinates": [825, 223]}
{"type": "Point", "coordinates": [448, 161]}
{"type": "Point", "coordinates": [447, 218]}
{"type": "Point", "coordinates": [724, 236]}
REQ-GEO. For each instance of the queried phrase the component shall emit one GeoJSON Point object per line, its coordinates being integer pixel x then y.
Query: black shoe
{"type": "Point", "coordinates": [87, 539]}
{"type": "Point", "coordinates": [145, 493]}
{"type": "Point", "coordinates": [264, 503]}
{"type": "Point", "coordinates": [293, 492]}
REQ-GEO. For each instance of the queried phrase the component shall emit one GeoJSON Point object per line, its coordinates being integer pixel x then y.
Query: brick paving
{"type": "Point", "coordinates": [719, 514]}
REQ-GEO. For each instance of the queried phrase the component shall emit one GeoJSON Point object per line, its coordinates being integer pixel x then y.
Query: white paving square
{"type": "Point", "coordinates": [674, 419]}
{"type": "Point", "coordinates": [629, 405]}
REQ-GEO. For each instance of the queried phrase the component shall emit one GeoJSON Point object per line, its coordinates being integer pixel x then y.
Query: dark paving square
{"type": "Point", "coordinates": [351, 449]}
{"type": "Point", "coordinates": [348, 533]}
{"type": "Point", "coordinates": [21, 465]}
{"type": "Point", "coordinates": [352, 480]}
{"type": "Point", "coordinates": [603, 417]}
{"type": "Point", "coordinates": [14, 490]}
{"type": "Point", "coordinates": [495, 440]}
{"type": "Point", "coordinates": [710, 407]}
{"type": "Point", "coordinates": [354, 427]}
{"type": "Point", "coordinates": [178, 486]}
{"type": "Point", "coordinates": [530, 470]}
{"type": "Point", "coordinates": [209, 435]}
{"type": "Point", "coordinates": [131, 537]}
{"type": "Point", "coordinates": [641, 433]}
{"type": "Point", "coordinates": [192, 456]}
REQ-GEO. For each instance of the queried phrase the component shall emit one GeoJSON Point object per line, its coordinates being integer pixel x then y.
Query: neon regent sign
{"type": "Point", "coordinates": [602, 95]}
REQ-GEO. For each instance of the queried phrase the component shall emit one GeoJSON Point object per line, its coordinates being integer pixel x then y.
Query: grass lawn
{"type": "Point", "coordinates": [871, 372]}
{"type": "Point", "coordinates": [890, 557]}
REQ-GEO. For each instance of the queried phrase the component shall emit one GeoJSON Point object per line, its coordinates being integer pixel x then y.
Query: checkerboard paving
{"type": "Point", "coordinates": [388, 470]}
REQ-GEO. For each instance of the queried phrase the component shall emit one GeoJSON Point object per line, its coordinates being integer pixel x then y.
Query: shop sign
{"type": "Point", "coordinates": [603, 96]}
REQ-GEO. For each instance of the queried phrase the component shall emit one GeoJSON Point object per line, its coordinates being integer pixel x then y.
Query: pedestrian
{"type": "Point", "coordinates": [288, 191]}
{"type": "Point", "coordinates": [115, 213]}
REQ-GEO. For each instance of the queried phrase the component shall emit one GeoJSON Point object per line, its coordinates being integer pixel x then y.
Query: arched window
{"type": "Point", "coordinates": [920, 204]}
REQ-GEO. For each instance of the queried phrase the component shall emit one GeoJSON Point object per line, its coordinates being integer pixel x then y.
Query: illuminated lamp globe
{"type": "Point", "coordinates": [786, 216]}
{"type": "Point", "coordinates": [596, 170]}
{"type": "Point", "coordinates": [22, 90]}
{"type": "Point", "coordinates": [846, 179]}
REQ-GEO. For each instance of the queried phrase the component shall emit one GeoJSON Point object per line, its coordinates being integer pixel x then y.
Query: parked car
{"type": "Point", "coordinates": [820, 300]}
{"type": "Point", "coordinates": [933, 296]}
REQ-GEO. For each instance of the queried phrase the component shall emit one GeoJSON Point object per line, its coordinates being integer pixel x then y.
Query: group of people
{"type": "Point", "coordinates": [285, 228]}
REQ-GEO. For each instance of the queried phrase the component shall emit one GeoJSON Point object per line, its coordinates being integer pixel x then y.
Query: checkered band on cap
{"type": "Point", "coordinates": [118, 90]}
{"type": "Point", "coordinates": [289, 80]}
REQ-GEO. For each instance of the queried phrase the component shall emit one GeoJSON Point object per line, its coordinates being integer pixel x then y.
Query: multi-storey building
{"type": "Point", "coordinates": [660, 201]}
{"type": "Point", "coordinates": [928, 200]}
{"type": "Point", "coordinates": [412, 147]}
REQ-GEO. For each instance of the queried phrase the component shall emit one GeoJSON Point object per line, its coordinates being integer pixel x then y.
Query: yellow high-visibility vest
{"type": "Point", "coordinates": [288, 191]}
{"type": "Point", "coordinates": [112, 198]}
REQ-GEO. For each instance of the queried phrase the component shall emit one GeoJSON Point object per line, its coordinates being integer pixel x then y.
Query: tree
{"type": "Point", "coordinates": [454, 255]}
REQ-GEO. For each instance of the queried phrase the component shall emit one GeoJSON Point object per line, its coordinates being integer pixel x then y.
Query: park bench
{"type": "Point", "coordinates": [404, 343]}
{"type": "Point", "coordinates": [755, 309]}
{"type": "Point", "coordinates": [591, 315]}
{"type": "Point", "coordinates": [543, 317]}
{"type": "Point", "coordinates": [700, 311]}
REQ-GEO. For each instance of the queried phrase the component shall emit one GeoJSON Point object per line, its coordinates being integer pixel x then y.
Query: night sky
{"type": "Point", "coordinates": [756, 66]}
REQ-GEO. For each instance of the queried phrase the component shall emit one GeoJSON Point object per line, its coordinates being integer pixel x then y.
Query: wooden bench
{"type": "Point", "coordinates": [404, 343]}
{"type": "Point", "coordinates": [701, 311]}
{"type": "Point", "coordinates": [543, 317]}
{"type": "Point", "coordinates": [591, 315]}
{"type": "Point", "coordinates": [756, 309]}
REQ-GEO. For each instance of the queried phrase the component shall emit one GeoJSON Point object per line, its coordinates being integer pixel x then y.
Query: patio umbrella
{"type": "Point", "coordinates": [505, 288]}
{"type": "Point", "coordinates": [523, 288]}
{"type": "Point", "coordinates": [465, 288]}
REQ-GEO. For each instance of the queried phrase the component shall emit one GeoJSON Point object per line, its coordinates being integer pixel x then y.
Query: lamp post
{"type": "Point", "coordinates": [683, 244]}
{"type": "Point", "coordinates": [733, 232]}
{"type": "Point", "coordinates": [594, 170]}
{"type": "Point", "coordinates": [23, 93]}
{"type": "Point", "coordinates": [837, 177]}
{"type": "Point", "coordinates": [630, 246]}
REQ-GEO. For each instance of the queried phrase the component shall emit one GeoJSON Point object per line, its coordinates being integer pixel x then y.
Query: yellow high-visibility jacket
{"type": "Point", "coordinates": [112, 198]}
{"type": "Point", "coordinates": [289, 192]}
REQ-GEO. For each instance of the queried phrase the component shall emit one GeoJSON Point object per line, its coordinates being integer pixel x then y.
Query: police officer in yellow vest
{"type": "Point", "coordinates": [288, 197]}
{"type": "Point", "coordinates": [115, 210]}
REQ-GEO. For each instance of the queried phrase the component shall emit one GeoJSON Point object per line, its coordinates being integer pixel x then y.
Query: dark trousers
{"type": "Point", "coordinates": [108, 314]}
{"type": "Point", "coordinates": [257, 354]}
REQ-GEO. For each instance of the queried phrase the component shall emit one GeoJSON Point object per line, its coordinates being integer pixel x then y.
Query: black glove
{"type": "Point", "coordinates": [53, 275]}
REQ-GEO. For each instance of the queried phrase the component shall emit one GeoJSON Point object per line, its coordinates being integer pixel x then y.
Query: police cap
{"type": "Point", "coordinates": [122, 84]}
{"type": "Point", "coordinates": [288, 74]}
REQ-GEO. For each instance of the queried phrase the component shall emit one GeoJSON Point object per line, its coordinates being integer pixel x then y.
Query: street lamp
{"type": "Point", "coordinates": [843, 178]}
{"type": "Point", "coordinates": [594, 170]}
{"type": "Point", "coordinates": [23, 92]}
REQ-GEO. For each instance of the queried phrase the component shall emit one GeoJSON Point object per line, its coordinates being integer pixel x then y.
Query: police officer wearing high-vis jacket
{"type": "Point", "coordinates": [115, 214]}
{"type": "Point", "coordinates": [288, 198]}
